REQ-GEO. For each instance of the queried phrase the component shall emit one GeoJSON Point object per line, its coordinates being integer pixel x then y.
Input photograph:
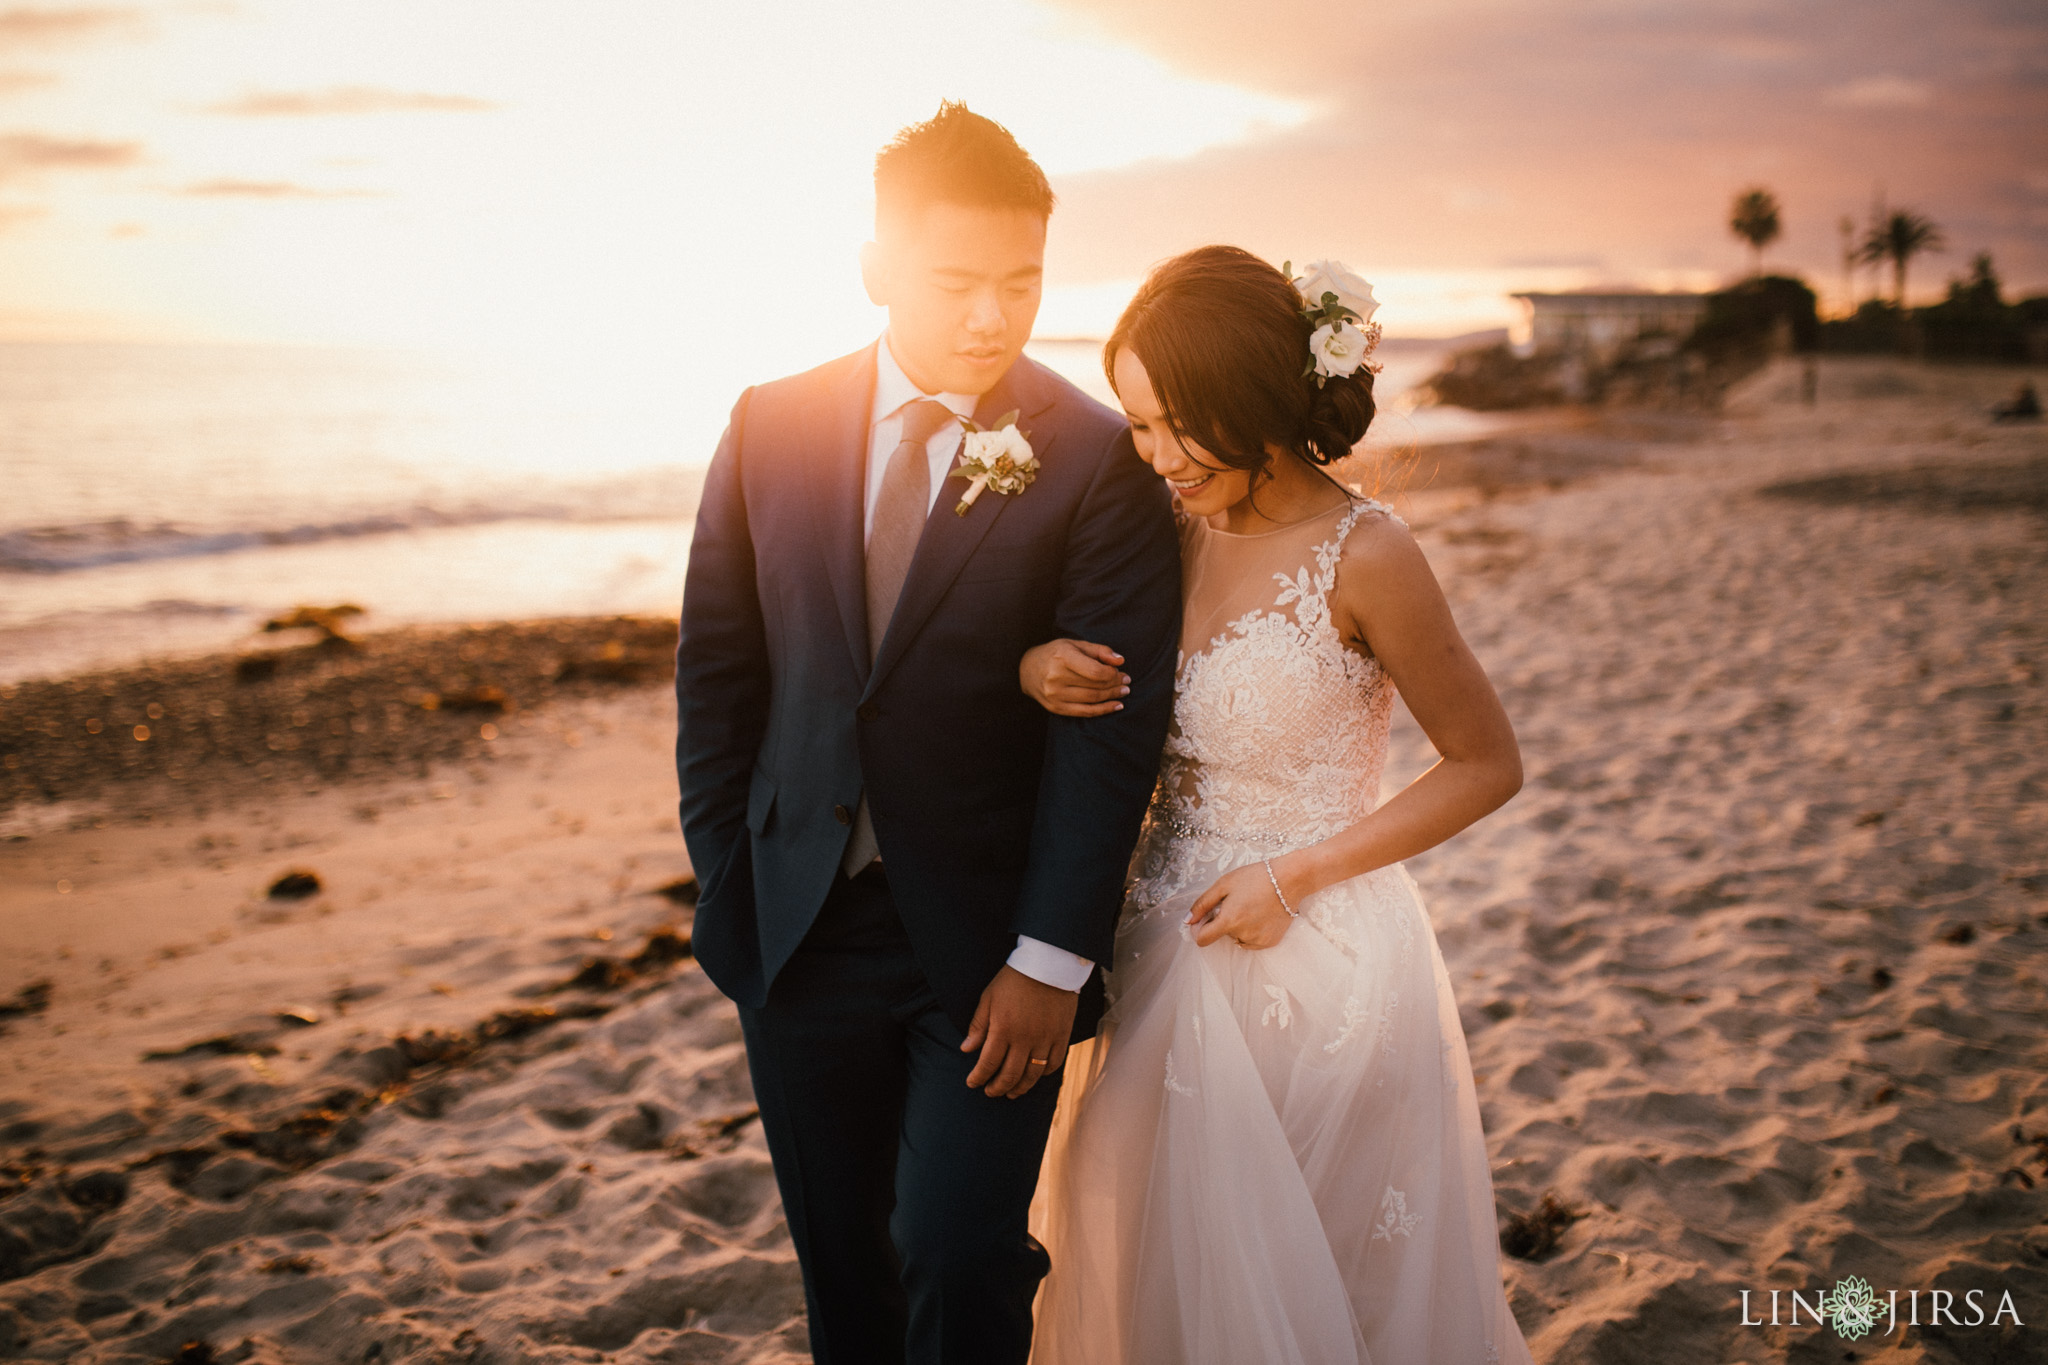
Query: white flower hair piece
{"type": "Point", "coordinates": [1339, 308]}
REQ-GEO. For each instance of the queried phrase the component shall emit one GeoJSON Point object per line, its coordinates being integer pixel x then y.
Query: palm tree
{"type": "Point", "coordinates": [1847, 227]}
{"type": "Point", "coordinates": [1755, 220]}
{"type": "Point", "coordinates": [1898, 237]}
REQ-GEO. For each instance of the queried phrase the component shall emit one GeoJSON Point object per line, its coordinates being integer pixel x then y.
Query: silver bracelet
{"type": "Point", "coordinates": [1292, 913]}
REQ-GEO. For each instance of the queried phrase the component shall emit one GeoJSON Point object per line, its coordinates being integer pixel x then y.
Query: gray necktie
{"type": "Point", "coordinates": [901, 507]}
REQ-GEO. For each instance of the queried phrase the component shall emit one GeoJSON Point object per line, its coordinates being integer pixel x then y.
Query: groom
{"type": "Point", "coordinates": [910, 872]}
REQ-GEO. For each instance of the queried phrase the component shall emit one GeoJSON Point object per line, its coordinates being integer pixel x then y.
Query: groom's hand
{"type": "Point", "coordinates": [1021, 1027]}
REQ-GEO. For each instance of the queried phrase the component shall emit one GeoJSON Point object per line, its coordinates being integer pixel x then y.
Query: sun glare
{"type": "Point", "coordinates": [641, 185]}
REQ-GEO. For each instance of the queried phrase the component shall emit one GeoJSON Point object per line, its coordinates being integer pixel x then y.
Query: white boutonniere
{"type": "Point", "coordinates": [998, 457]}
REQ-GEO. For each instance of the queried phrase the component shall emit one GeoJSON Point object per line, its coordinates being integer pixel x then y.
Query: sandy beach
{"type": "Point", "coordinates": [1752, 969]}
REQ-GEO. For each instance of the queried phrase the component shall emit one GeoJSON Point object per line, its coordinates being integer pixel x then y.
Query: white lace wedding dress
{"type": "Point", "coordinates": [1271, 1157]}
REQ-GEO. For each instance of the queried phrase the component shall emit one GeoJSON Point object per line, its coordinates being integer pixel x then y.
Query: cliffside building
{"type": "Point", "coordinates": [1597, 326]}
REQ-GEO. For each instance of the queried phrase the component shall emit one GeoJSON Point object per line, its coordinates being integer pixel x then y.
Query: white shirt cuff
{"type": "Point", "coordinates": [1055, 967]}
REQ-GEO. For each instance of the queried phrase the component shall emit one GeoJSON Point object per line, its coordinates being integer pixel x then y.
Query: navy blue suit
{"type": "Point", "coordinates": [906, 1191]}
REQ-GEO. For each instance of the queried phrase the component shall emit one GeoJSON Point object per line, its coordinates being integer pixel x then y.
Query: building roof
{"type": "Point", "coordinates": [1615, 292]}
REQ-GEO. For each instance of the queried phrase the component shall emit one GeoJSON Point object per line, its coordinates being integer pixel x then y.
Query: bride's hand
{"type": "Point", "coordinates": [1073, 678]}
{"type": "Point", "coordinates": [1240, 906]}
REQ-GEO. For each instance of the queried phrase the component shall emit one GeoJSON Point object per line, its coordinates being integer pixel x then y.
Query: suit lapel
{"type": "Point", "coordinates": [948, 540]}
{"type": "Point", "coordinates": [840, 506]}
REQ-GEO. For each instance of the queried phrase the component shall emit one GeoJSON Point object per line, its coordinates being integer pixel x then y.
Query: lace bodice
{"type": "Point", "coordinates": [1279, 727]}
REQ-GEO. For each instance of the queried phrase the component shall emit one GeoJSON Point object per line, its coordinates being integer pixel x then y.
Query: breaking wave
{"type": "Point", "coordinates": [49, 549]}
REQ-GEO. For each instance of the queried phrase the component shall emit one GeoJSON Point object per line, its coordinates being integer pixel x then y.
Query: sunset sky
{"type": "Point", "coordinates": [613, 175]}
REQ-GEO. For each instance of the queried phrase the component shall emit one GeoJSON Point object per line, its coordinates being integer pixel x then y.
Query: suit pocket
{"type": "Point", "coordinates": [760, 802]}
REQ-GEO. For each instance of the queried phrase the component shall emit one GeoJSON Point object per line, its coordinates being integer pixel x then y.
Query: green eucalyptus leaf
{"type": "Point", "coordinates": [1008, 419]}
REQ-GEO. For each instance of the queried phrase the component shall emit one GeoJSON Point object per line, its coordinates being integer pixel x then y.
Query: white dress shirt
{"type": "Point", "coordinates": [1036, 959]}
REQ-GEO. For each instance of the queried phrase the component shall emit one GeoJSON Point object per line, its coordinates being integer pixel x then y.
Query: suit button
{"type": "Point", "coordinates": [868, 711]}
{"type": "Point", "coordinates": [842, 815]}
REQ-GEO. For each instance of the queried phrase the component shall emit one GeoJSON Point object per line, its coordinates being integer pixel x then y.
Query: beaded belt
{"type": "Point", "coordinates": [1189, 829]}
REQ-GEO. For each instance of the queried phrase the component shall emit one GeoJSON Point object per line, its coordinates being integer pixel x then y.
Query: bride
{"type": "Point", "coordinates": [1272, 1152]}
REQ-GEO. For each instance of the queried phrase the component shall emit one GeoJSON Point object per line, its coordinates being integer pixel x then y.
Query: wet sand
{"type": "Point", "coordinates": [1751, 970]}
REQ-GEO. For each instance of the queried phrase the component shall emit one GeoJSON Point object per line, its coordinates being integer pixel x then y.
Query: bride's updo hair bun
{"type": "Point", "coordinates": [1223, 340]}
{"type": "Point", "coordinates": [1338, 414]}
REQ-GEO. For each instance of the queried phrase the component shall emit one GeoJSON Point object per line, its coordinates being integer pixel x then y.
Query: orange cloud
{"type": "Point", "coordinates": [1881, 92]}
{"type": "Point", "coordinates": [26, 26]}
{"type": "Point", "coordinates": [15, 82]}
{"type": "Point", "coordinates": [23, 154]}
{"type": "Point", "coordinates": [348, 99]}
{"type": "Point", "coordinates": [268, 189]}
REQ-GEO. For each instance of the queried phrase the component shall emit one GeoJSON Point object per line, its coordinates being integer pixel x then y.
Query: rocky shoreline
{"type": "Point", "coordinates": [186, 734]}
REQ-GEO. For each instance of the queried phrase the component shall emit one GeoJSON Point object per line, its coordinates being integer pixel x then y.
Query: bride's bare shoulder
{"type": "Point", "coordinates": [1383, 569]}
{"type": "Point", "coordinates": [1379, 539]}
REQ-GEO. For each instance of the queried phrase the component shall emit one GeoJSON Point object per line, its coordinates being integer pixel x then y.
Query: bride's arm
{"type": "Point", "coordinates": [1074, 678]}
{"type": "Point", "coordinates": [1387, 596]}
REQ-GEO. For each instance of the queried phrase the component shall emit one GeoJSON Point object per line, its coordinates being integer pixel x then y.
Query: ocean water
{"type": "Point", "coordinates": [163, 499]}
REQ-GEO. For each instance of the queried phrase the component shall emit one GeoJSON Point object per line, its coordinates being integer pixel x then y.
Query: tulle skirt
{"type": "Point", "coordinates": [1272, 1156]}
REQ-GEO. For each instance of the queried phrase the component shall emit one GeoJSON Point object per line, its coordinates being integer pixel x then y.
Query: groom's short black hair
{"type": "Point", "coordinates": [958, 157]}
